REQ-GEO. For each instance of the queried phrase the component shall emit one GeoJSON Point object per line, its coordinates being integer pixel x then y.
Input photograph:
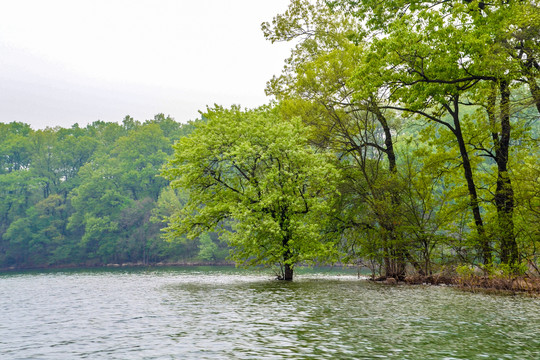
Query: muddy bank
{"type": "Point", "coordinates": [490, 284]}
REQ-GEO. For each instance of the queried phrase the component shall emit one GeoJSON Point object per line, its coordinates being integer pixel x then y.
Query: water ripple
{"type": "Point", "coordinates": [226, 314]}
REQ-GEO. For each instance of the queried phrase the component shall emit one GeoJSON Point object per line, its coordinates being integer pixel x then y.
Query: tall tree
{"type": "Point", "coordinates": [315, 85]}
{"type": "Point", "coordinates": [436, 57]}
{"type": "Point", "coordinates": [258, 172]}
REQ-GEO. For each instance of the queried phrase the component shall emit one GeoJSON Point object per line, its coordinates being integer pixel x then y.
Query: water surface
{"type": "Point", "coordinates": [225, 313]}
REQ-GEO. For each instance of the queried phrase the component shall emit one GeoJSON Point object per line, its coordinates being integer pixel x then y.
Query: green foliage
{"type": "Point", "coordinates": [84, 196]}
{"type": "Point", "coordinates": [466, 271]}
{"type": "Point", "coordinates": [406, 134]}
{"type": "Point", "coordinates": [255, 171]}
{"type": "Point", "coordinates": [461, 75]}
{"type": "Point", "coordinates": [504, 270]}
{"type": "Point", "coordinates": [209, 250]}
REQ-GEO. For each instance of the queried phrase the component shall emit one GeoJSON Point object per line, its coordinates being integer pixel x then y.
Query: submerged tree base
{"type": "Point", "coordinates": [281, 278]}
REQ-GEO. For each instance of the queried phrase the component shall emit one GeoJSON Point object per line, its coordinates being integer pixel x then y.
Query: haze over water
{"type": "Point", "coordinates": [225, 313]}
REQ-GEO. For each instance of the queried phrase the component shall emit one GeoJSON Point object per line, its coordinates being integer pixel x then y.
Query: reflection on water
{"type": "Point", "coordinates": [202, 313]}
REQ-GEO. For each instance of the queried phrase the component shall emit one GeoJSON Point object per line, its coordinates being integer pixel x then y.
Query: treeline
{"type": "Point", "coordinates": [404, 137]}
{"type": "Point", "coordinates": [434, 108]}
{"type": "Point", "coordinates": [90, 196]}
{"type": "Point", "coordinates": [427, 115]}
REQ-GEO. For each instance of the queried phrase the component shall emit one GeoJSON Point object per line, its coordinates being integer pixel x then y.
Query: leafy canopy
{"type": "Point", "coordinates": [253, 176]}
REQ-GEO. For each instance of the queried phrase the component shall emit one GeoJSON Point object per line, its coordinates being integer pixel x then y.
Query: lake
{"type": "Point", "coordinates": [228, 313]}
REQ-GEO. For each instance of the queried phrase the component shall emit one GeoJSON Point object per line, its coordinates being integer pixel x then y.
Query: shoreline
{"type": "Point", "coordinates": [116, 265]}
{"type": "Point", "coordinates": [486, 284]}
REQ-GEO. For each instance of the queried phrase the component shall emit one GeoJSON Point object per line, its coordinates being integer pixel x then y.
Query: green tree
{"type": "Point", "coordinates": [139, 237]}
{"type": "Point", "coordinates": [315, 86]}
{"type": "Point", "coordinates": [85, 195]}
{"type": "Point", "coordinates": [15, 147]}
{"type": "Point", "coordinates": [208, 250]}
{"type": "Point", "coordinates": [75, 147]}
{"type": "Point", "coordinates": [256, 172]}
{"type": "Point", "coordinates": [168, 245]}
{"type": "Point", "coordinates": [435, 58]}
{"type": "Point", "coordinates": [40, 238]}
{"type": "Point", "coordinates": [140, 156]}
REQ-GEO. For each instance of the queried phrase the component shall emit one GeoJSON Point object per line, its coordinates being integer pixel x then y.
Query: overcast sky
{"type": "Point", "coordinates": [77, 61]}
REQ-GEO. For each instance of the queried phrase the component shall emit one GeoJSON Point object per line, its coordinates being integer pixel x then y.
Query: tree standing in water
{"type": "Point", "coordinates": [253, 176]}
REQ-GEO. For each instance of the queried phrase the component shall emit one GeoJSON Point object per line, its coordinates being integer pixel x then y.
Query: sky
{"type": "Point", "coordinates": [64, 61]}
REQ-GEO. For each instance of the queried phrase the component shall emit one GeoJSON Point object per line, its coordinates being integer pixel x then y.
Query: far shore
{"type": "Point", "coordinates": [486, 284]}
{"type": "Point", "coordinates": [119, 265]}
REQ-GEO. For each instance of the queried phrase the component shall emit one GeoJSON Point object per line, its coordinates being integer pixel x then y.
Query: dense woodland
{"type": "Point", "coordinates": [90, 196]}
{"type": "Point", "coordinates": [404, 136]}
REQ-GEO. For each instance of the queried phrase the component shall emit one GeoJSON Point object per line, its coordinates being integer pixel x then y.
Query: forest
{"type": "Point", "coordinates": [90, 196]}
{"type": "Point", "coordinates": [403, 136]}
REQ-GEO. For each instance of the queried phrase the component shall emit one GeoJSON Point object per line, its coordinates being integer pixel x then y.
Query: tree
{"type": "Point", "coordinates": [140, 156]}
{"type": "Point", "coordinates": [256, 172]}
{"type": "Point", "coordinates": [315, 86]}
{"type": "Point", "coordinates": [436, 58]}
{"type": "Point", "coordinates": [85, 195]}
{"type": "Point", "coordinates": [41, 235]}
{"type": "Point", "coordinates": [208, 250]}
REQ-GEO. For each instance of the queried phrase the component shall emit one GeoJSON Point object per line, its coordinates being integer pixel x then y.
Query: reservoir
{"type": "Point", "coordinates": [228, 313]}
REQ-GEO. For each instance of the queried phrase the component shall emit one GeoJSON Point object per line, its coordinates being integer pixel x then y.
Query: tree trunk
{"type": "Point", "coordinates": [504, 193]}
{"type": "Point", "coordinates": [485, 247]}
{"type": "Point", "coordinates": [388, 142]}
{"type": "Point", "coordinates": [287, 267]}
{"type": "Point", "coordinates": [535, 92]}
{"type": "Point", "coordinates": [397, 264]}
{"type": "Point", "coordinates": [415, 263]}
{"type": "Point", "coordinates": [387, 261]}
{"type": "Point", "coordinates": [288, 274]}
{"type": "Point", "coordinates": [394, 254]}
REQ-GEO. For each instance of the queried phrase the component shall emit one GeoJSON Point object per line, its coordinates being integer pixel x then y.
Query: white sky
{"type": "Point", "coordinates": [77, 61]}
